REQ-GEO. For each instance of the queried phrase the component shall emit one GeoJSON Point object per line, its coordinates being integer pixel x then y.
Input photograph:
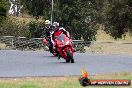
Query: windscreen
{"type": "Point", "coordinates": [60, 37]}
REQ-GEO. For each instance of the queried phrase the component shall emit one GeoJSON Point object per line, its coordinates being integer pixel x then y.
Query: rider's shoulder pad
{"type": "Point", "coordinates": [62, 28]}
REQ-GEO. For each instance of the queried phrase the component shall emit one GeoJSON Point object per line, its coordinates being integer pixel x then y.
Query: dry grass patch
{"type": "Point", "coordinates": [103, 36]}
{"type": "Point", "coordinates": [2, 46]}
{"type": "Point", "coordinates": [110, 48]}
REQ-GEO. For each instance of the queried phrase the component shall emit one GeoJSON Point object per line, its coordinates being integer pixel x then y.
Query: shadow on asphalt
{"type": "Point", "coordinates": [65, 63]}
{"type": "Point", "coordinates": [50, 56]}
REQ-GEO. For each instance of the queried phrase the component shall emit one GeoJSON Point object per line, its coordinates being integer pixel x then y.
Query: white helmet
{"type": "Point", "coordinates": [55, 24]}
{"type": "Point", "coordinates": [47, 22]}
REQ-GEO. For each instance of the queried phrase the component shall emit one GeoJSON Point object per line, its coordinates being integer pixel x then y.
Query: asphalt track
{"type": "Point", "coordinates": [15, 63]}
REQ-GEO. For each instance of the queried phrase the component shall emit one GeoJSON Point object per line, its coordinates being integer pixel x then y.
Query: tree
{"type": "Point", "coordinates": [36, 7]}
{"type": "Point", "coordinates": [3, 9]}
{"type": "Point", "coordinates": [118, 17]}
{"type": "Point", "coordinates": [78, 17]}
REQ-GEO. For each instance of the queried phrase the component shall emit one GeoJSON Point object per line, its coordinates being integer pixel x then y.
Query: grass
{"type": "Point", "coordinates": [103, 36]}
{"type": "Point", "coordinates": [110, 48]}
{"type": "Point", "coordinates": [59, 82]}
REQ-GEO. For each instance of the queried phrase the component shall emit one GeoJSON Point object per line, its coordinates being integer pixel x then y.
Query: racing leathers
{"type": "Point", "coordinates": [47, 33]}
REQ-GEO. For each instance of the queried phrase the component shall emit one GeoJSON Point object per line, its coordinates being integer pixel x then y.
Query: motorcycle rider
{"type": "Point", "coordinates": [47, 32]}
{"type": "Point", "coordinates": [47, 29]}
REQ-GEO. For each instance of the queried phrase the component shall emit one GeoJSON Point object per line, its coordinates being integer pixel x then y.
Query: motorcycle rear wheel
{"type": "Point", "coordinates": [70, 56]}
{"type": "Point", "coordinates": [67, 61]}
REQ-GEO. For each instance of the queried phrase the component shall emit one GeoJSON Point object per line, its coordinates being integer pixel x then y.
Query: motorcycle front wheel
{"type": "Point", "coordinates": [70, 56]}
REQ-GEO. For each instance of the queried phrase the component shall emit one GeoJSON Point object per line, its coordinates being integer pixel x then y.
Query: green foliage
{"type": "Point", "coordinates": [79, 17]}
{"type": "Point", "coordinates": [73, 15]}
{"type": "Point", "coordinates": [3, 9]}
{"type": "Point", "coordinates": [36, 7]}
{"type": "Point", "coordinates": [13, 27]}
{"type": "Point", "coordinates": [35, 29]}
{"type": "Point", "coordinates": [118, 17]}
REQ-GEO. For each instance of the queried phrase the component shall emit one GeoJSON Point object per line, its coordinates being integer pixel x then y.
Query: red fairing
{"type": "Point", "coordinates": [63, 44]}
{"type": "Point", "coordinates": [57, 33]}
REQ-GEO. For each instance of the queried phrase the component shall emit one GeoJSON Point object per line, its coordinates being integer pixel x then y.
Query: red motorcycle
{"type": "Point", "coordinates": [64, 46]}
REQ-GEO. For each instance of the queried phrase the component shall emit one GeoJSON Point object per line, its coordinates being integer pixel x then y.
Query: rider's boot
{"type": "Point", "coordinates": [50, 49]}
{"type": "Point", "coordinates": [58, 56]}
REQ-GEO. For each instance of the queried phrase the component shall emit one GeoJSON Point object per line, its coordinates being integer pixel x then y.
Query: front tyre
{"type": "Point", "coordinates": [70, 56]}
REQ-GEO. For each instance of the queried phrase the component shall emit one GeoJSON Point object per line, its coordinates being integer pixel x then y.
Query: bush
{"type": "Point", "coordinates": [35, 29]}
{"type": "Point", "coordinates": [13, 27]}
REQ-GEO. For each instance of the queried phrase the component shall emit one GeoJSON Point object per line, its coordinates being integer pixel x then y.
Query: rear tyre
{"type": "Point", "coordinates": [70, 56]}
{"type": "Point", "coordinates": [67, 61]}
